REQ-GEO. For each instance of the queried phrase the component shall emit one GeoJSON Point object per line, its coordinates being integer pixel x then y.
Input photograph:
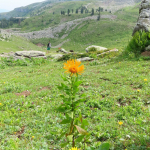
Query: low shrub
{"type": "Point", "coordinates": [73, 56]}
{"type": "Point", "coordinates": [92, 49]}
{"type": "Point", "coordinates": [138, 43]}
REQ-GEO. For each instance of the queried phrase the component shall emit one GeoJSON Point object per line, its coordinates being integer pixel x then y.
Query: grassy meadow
{"type": "Point", "coordinates": [117, 104]}
{"type": "Point", "coordinates": [116, 90]}
{"type": "Point", "coordinates": [14, 44]}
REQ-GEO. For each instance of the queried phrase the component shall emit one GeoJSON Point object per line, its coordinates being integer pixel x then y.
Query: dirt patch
{"type": "Point", "coordinates": [44, 88]}
{"type": "Point", "coordinates": [39, 44]}
{"type": "Point", "coordinates": [24, 93]}
{"type": "Point", "coordinates": [146, 53]}
{"type": "Point", "coordinates": [19, 133]}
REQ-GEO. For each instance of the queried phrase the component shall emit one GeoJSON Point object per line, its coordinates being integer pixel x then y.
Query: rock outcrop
{"type": "Point", "coordinates": [143, 22]}
{"type": "Point", "coordinates": [30, 54]}
{"type": "Point", "coordinates": [24, 54]}
{"type": "Point", "coordinates": [85, 59]}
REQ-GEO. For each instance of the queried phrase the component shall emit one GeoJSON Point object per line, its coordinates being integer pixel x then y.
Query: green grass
{"type": "Point", "coordinates": [111, 90]}
{"type": "Point", "coordinates": [115, 91]}
{"type": "Point", "coordinates": [17, 44]}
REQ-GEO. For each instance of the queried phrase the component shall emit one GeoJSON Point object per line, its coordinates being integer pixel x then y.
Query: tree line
{"type": "Point", "coordinates": [83, 10]}
{"type": "Point", "coordinates": [6, 23]}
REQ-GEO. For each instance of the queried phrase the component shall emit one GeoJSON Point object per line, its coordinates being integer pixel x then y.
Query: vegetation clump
{"type": "Point", "coordinates": [73, 56]}
{"type": "Point", "coordinates": [5, 62]}
{"type": "Point", "coordinates": [138, 43]}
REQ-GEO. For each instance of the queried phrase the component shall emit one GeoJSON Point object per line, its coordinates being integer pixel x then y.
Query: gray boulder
{"type": "Point", "coordinates": [147, 48]}
{"type": "Point", "coordinates": [30, 54]}
{"type": "Point", "coordinates": [143, 22]}
{"type": "Point", "coordinates": [56, 56]}
{"type": "Point", "coordinates": [85, 59]}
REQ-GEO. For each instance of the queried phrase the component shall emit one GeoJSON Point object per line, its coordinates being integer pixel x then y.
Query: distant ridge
{"type": "Point", "coordinates": [35, 8]}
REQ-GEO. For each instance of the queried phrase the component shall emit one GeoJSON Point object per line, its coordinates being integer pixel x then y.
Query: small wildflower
{"type": "Point", "coordinates": [120, 122]}
{"type": "Point", "coordinates": [145, 80]}
{"type": "Point", "coordinates": [32, 137]}
{"type": "Point", "coordinates": [15, 132]}
{"type": "Point", "coordinates": [138, 90]}
{"type": "Point", "coordinates": [0, 104]}
{"type": "Point", "coordinates": [4, 82]}
{"type": "Point", "coordinates": [119, 62]}
{"type": "Point", "coordinates": [72, 66]}
{"type": "Point", "coordinates": [74, 148]}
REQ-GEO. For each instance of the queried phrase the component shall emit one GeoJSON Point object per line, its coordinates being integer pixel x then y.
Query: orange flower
{"type": "Point", "coordinates": [72, 66]}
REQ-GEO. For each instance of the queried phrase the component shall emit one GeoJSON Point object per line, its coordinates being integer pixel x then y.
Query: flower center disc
{"type": "Point", "coordinates": [73, 69]}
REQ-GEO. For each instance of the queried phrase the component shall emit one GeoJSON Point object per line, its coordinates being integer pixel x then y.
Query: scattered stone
{"type": "Point", "coordinates": [98, 48]}
{"type": "Point", "coordinates": [71, 51]}
{"type": "Point", "coordinates": [56, 56]}
{"type": "Point", "coordinates": [24, 54]}
{"type": "Point", "coordinates": [30, 54]}
{"type": "Point", "coordinates": [62, 50]}
{"type": "Point", "coordinates": [85, 59]}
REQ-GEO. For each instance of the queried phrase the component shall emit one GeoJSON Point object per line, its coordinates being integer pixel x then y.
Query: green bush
{"type": "Point", "coordinates": [73, 56]}
{"type": "Point", "coordinates": [138, 43]}
{"type": "Point", "coordinates": [92, 49]}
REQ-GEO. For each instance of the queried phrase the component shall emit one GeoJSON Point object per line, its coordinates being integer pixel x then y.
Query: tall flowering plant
{"type": "Point", "coordinates": [75, 125]}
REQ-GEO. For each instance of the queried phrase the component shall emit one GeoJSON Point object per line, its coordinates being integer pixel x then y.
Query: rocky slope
{"type": "Point", "coordinates": [53, 32]}
{"type": "Point", "coordinates": [38, 8]}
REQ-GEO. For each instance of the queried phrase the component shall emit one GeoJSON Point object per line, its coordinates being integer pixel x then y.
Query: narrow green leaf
{"type": "Point", "coordinates": [80, 138]}
{"type": "Point", "coordinates": [62, 135]}
{"type": "Point", "coordinates": [84, 123]}
{"type": "Point", "coordinates": [81, 131]}
{"type": "Point", "coordinates": [104, 146]}
{"type": "Point", "coordinates": [90, 148]}
{"type": "Point", "coordinates": [64, 78]}
{"type": "Point", "coordinates": [65, 121]}
{"type": "Point", "coordinates": [69, 137]}
{"type": "Point", "coordinates": [80, 117]}
{"type": "Point", "coordinates": [61, 109]}
{"type": "Point", "coordinates": [70, 115]}
{"type": "Point", "coordinates": [77, 83]}
{"type": "Point", "coordinates": [64, 144]}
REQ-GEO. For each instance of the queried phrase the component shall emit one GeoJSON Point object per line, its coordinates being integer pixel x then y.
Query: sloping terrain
{"type": "Point", "coordinates": [77, 31]}
{"type": "Point", "coordinates": [39, 8]}
{"type": "Point", "coordinates": [9, 43]}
